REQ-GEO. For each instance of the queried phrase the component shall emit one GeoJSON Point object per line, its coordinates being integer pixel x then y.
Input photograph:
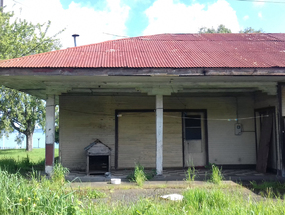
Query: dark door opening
{"type": "Point", "coordinates": [266, 144]}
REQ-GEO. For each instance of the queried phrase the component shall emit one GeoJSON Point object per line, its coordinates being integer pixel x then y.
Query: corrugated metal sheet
{"type": "Point", "coordinates": [167, 51]}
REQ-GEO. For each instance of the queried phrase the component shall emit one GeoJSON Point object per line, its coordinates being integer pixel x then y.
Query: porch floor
{"type": "Point", "coordinates": [236, 175]}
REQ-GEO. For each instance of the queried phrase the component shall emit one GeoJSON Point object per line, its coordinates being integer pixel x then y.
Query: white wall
{"type": "Point", "coordinates": [86, 118]}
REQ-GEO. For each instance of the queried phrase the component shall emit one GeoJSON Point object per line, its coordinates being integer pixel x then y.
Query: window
{"type": "Point", "coordinates": [193, 127]}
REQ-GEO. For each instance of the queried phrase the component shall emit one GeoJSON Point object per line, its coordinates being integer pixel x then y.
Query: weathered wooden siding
{"type": "Point", "coordinates": [136, 139]}
{"type": "Point", "coordinates": [266, 101]}
{"type": "Point", "coordinates": [86, 118]}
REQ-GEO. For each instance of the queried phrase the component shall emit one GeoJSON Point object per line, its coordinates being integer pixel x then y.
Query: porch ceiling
{"type": "Point", "coordinates": [40, 84]}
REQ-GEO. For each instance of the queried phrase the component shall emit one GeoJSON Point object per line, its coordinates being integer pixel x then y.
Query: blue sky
{"type": "Point", "coordinates": [101, 20]}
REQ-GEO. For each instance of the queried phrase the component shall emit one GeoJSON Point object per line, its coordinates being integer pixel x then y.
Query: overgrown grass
{"type": "Point", "coordinates": [269, 189]}
{"type": "Point", "coordinates": [139, 175]}
{"type": "Point", "coordinates": [39, 195]}
{"type": "Point", "coordinates": [190, 174]}
{"type": "Point", "coordinates": [35, 196]}
{"type": "Point", "coordinates": [197, 201]}
{"type": "Point", "coordinates": [216, 176]}
{"type": "Point", "coordinates": [19, 160]}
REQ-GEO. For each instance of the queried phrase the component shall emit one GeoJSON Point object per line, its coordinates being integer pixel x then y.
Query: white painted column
{"type": "Point", "coordinates": [159, 134]}
{"type": "Point", "coordinates": [50, 133]}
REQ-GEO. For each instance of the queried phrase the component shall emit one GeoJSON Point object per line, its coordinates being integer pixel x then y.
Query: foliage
{"type": "Point", "coordinates": [20, 38]}
{"type": "Point", "coordinates": [190, 174]}
{"type": "Point", "coordinates": [90, 193]}
{"type": "Point", "coordinates": [58, 174]}
{"type": "Point", "coordinates": [269, 189]}
{"type": "Point", "coordinates": [139, 175]}
{"type": "Point", "coordinates": [216, 176]}
{"type": "Point", "coordinates": [249, 30]}
{"type": "Point", "coordinates": [56, 134]}
{"type": "Point", "coordinates": [221, 30]}
{"type": "Point", "coordinates": [38, 195]}
{"type": "Point", "coordinates": [19, 111]}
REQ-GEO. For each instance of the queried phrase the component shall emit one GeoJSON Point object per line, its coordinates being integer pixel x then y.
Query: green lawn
{"type": "Point", "coordinates": [35, 155]}
{"type": "Point", "coordinates": [19, 160]}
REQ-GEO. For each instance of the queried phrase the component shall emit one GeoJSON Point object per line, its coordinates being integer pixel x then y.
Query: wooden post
{"type": "Point", "coordinates": [159, 134]}
{"type": "Point", "coordinates": [281, 114]}
{"type": "Point", "coordinates": [50, 133]}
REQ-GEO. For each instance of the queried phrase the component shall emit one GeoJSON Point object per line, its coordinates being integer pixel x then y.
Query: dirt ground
{"type": "Point", "coordinates": [130, 193]}
{"type": "Point", "coordinates": [134, 195]}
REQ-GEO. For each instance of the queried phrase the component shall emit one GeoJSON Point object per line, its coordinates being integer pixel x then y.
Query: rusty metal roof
{"type": "Point", "coordinates": [166, 51]}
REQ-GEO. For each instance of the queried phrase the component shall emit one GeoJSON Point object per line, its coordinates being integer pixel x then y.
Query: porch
{"type": "Point", "coordinates": [244, 175]}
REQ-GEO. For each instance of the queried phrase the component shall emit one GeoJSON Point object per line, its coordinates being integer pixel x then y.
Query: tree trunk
{"type": "Point", "coordinates": [29, 142]}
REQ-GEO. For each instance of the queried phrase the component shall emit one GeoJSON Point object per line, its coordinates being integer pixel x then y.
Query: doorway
{"type": "Point", "coordinates": [266, 144]}
{"type": "Point", "coordinates": [194, 139]}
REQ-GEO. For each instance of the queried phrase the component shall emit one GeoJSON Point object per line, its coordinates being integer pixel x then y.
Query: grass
{"type": "Point", "coordinates": [18, 154]}
{"type": "Point", "coordinates": [216, 177]}
{"type": "Point", "coordinates": [190, 174]}
{"type": "Point", "coordinates": [19, 160]}
{"type": "Point", "coordinates": [140, 176]}
{"type": "Point", "coordinates": [269, 189]}
{"type": "Point", "coordinates": [38, 195]}
{"type": "Point", "coordinates": [42, 196]}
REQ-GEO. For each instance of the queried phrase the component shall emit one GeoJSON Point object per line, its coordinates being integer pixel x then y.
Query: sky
{"type": "Point", "coordinates": [100, 20]}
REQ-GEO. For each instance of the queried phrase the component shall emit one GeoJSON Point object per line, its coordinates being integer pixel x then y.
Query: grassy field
{"type": "Point", "coordinates": [18, 154]}
{"type": "Point", "coordinates": [33, 193]}
{"type": "Point", "coordinates": [14, 160]}
{"type": "Point", "coordinates": [39, 195]}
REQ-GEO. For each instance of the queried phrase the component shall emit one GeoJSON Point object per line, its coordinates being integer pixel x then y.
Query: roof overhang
{"type": "Point", "coordinates": [41, 82]}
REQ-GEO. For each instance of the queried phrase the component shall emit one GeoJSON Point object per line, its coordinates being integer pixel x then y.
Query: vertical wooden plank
{"type": "Point", "coordinates": [265, 139]}
{"type": "Point", "coordinates": [159, 134]}
{"type": "Point", "coordinates": [281, 133]}
{"type": "Point", "coordinates": [87, 163]}
{"type": "Point", "coordinates": [50, 133]}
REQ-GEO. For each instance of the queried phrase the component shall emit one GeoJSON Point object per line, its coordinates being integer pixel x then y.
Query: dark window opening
{"type": "Point", "coordinates": [193, 127]}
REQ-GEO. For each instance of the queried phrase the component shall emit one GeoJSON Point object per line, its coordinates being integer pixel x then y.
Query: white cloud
{"type": "Point", "coordinates": [165, 16]}
{"type": "Point", "coordinates": [85, 21]}
{"type": "Point", "coordinates": [258, 3]}
{"type": "Point", "coordinates": [246, 17]}
{"type": "Point", "coordinates": [260, 15]}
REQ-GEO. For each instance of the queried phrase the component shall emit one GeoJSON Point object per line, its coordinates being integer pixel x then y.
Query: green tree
{"type": "Point", "coordinates": [19, 111]}
{"type": "Point", "coordinates": [250, 30]}
{"type": "Point", "coordinates": [221, 30]}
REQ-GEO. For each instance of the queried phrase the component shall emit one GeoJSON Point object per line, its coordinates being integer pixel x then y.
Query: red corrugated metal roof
{"type": "Point", "coordinates": [166, 51]}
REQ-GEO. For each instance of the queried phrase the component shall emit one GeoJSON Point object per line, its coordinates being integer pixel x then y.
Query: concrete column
{"type": "Point", "coordinates": [159, 134]}
{"type": "Point", "coordinates": [50, 133]}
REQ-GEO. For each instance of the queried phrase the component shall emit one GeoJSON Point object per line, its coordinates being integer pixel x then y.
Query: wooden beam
{"type": "Point", "coordinates": [171, 72]}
